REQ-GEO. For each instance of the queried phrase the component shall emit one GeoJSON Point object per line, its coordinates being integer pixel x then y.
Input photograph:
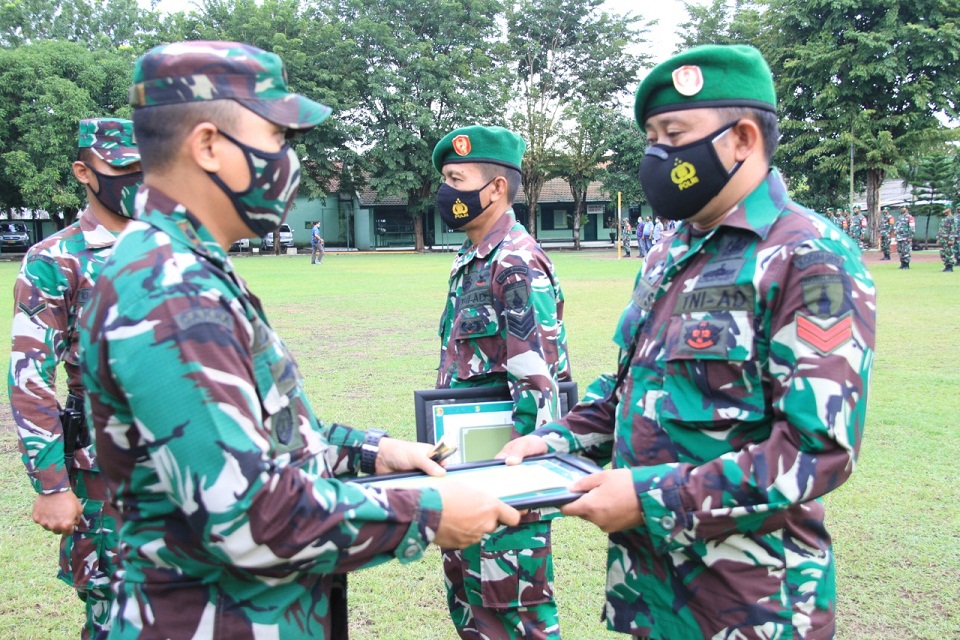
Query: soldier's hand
{"type": "Point", "coordinates": [610, 501]}
{"type": "Point", "coordinates": [523, 447]}
{"type": "Point", "coordinates": [403, 455]}
{"type": "Point", "coordinates": [57, 512]}
{"type": "Point", "coordinates": [468, 514]}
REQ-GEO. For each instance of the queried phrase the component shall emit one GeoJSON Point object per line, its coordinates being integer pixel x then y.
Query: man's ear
{"type": "Point", "coordinates": [747, 139]}
{"type": "Point", "coordinates": [200, 145]}
{"type": "Point", "coordinates": [500, 187]}
{"type": "Point", "coordinates": [83, 174]}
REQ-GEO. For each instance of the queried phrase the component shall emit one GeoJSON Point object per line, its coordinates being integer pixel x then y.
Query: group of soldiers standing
{"type": "Point", "coordinates": [902, 228]}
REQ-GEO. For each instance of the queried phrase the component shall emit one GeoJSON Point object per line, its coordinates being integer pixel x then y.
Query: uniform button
{"type": "Point", "coordinates": [411, 551]}
{"type": "Point", "coordinates": [667, 522]}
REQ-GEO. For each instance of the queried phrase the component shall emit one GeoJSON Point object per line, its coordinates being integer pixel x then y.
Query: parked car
{"type": "Point", "coordinates": [243, 244]}
{"type": "Point", "coordinates": [14, 236]}
{"type": "Point", "coordinates": [286, 238]}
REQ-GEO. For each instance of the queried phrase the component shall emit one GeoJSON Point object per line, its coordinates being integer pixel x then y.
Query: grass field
{"type": "Point", "coordinates": [363, 328]}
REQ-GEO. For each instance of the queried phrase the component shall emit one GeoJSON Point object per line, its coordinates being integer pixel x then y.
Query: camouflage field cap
{"type": "Point", "coordinates": [110, 139]}
{"type": "Point", "coordinates": [189, 71]}
{"type": "Point", "coordinates": [711, 75]}
{"type": "Point", "coordinates": [488, 145]}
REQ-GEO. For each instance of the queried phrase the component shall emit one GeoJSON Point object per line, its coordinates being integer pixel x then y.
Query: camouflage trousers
{"type": "Point", "coordinates": [88, 556]}
{"type": "Point", "coordinates": [885, 246]}
{"type": "Point", "coordinates": [903, 249]}
{"type": "Point", "coordinates": [502, 588]}
{"type": "Point", "coordinates": [947, 252]}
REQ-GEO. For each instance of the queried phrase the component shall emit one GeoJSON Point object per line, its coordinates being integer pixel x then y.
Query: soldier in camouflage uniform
{"type": "Point", "coordinates": [50, 295]}
{"type": "Point", "coordinates": [947, 238]}
{"type": "Point", "coordinates": [746, 352]}
{"type": "Point", "coordinates": [904, 231]}
{"type": "Point", "coordinates": [887, 222]}
{"type": "Point", "coordinates": [860, 230]}
{"type": "Point", "coordinates": [234, 524]}
{"type": "Point", "coordinates": [502, 324]}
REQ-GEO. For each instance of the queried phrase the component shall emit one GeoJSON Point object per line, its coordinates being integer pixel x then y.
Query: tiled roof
{"type": "Point", "coordinates": [554, 191]}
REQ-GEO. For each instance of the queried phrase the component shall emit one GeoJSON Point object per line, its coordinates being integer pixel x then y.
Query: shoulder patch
{"type": "Point", "coordinates": [824, 295]}
{"type": "Point", "coordinates": [516, 295]}
{"type": "Point", "coordinates": [818, 257]}
{"type": "Point", "coordinates": [825, 336]}
{"type": "Point", "coordinates": [192, 317]}
{"type": "Point", "coordinates": [521, 270]}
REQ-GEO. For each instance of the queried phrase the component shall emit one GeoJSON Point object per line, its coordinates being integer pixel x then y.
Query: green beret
{"type": "Point", "coordinates": [213, 70]}
{"type": "Point", "coordinates": [110, 139]}
{"type": "Point", "coordinates": [489, 145]}
{"type": "Point", "coordinates": [711, 75]}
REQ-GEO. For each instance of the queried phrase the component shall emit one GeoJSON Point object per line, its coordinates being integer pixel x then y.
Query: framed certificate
{"type": "Point", "coordinates": [540, 481]}
{"type": "Point", "coordinates": [476, 420]}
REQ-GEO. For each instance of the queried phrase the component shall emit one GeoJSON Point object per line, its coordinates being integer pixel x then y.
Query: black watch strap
{"type": "Point", "coordinates": [370, 449]}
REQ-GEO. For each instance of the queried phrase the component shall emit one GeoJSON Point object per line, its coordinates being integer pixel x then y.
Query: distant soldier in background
{"type": "Point", "coordinates": [887, 222]}
{"type": "Point", "coordinates": [904, 230]}
{"type": "Point", "coordinates": [51, 294]}
{"type": "Point", "coordinates": [947, 240]}
{"type": "Point", "coordinates": [860, 228]}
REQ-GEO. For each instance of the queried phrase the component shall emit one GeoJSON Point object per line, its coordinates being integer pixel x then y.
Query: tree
{"type": "Point", "coordinates": [100, 24]}
{"type": "Point", "coordinates": [581, 160]}
{"type": "Point", "coordinates": [45, 90]}
{"type": "Point", "coordinates": [564, 51]}
{"type": "Point", "coordinates": [933, 181]}
{"type": "Point", "coordinates": [872, 74]}
{"type": "Point", "coordinates": [621, 170]}
{"type": "Point", "coordinates": [428, 66]}
{"type": "Point", "coordinates": [721, 22]}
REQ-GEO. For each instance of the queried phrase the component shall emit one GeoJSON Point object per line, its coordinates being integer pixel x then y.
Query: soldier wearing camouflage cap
{"type": "Point", "coordinates": [51, 295]}
{"type": "Point", "coordinates": [235, 519]}
{"type": "Point", "coordinates": [502, 325]}
{"type": "Point", "coordinates": [887, 222]}
{"type": "Point", "coordinates": [745, 356]}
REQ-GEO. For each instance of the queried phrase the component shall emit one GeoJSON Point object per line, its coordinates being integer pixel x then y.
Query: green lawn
{"type": "Point", "coordinates": [363, 328]}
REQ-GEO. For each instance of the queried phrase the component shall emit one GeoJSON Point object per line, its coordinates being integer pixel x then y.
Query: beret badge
{"type": "Point", "coordinates": [688, 80]}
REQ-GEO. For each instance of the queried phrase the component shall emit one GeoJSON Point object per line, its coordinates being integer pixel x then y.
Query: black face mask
{"type": "Point", "coordinates": [117, 193]}
{"type": "Point", "coordinates": [457, 208]}
{"type": "Point", "coordinates": [680, 181]}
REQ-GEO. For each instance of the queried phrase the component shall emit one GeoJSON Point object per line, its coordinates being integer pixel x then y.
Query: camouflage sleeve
{"type": "Point", "coordinates": [821, 330]}
{"type": "Point", "coordinates": [588, 427]}
{"type": "Point", "coordinates": [536, 352]}
{"type": "Point", "coordinates": [183, 388]}
{"type": "Point", "coordinates": [40, 325]}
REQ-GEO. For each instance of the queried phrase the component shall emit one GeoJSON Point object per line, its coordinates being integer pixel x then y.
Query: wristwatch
{"type": "Point", "coordinates": [370, 448]}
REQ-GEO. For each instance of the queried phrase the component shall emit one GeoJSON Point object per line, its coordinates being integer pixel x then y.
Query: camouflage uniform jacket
{"type": "Point", "coordinates": [905, 227]}
{"type": "Point", "coordinates": [52, 290]}
{"type": "Point", "coordinates": [947, 231]}
{"type": "Point", "coordinates": [233, 523]}
{"type": "Point", "coordinates": [743, 404]}
{"type": "Point", "coordinates": [503, 323]}
{"type": "Point", "coordinates": [887, 222]}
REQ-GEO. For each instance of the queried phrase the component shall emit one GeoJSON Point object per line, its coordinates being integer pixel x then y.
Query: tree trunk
{"type": "Point", "coordinates": [532, 185]}
{"type": "Point", "coordinates": [418, 244]}
{"type": "Point", "coordinates": [578, 198]}
{"type": "Point", "coordinates": [276, 241]}
{"type": "Point", "coordinates": [874, 180]}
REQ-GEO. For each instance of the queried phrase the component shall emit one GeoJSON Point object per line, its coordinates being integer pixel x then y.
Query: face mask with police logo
{"type": "Point", "coordinates": [680, 181]}
{"type": "Point", "coordinates": [117, 193]}
{"type": "Point", "coordinates": [274, 180]}
{"type": "Point", "coordinates": [457, 208]}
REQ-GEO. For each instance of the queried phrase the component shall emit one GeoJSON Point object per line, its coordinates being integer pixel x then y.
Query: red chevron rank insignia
{"type": "Point", "coordinates": [825, 337]}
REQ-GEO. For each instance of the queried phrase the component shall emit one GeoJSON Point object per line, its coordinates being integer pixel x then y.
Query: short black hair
{"type": "Point", "coordinates": [491, 171]}
{"type": "Point", "coordinates": [85, 155]}
{"type": "Point", "coordinates": [161, 129]}
{"type": "Point", "coordinates": [767, 121]}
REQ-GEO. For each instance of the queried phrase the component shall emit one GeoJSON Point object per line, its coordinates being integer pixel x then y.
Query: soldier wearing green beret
{"type": "Point", "coordinates": [502, 324]}
{"type": "Point", "coordinates": [238, 521]}
{"type": "Point", "coordinates": [946, 239]}
{"type": "Point", "coordinates": [739, 401]}
{"type": "Point", "coordinates": [51, 295]}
